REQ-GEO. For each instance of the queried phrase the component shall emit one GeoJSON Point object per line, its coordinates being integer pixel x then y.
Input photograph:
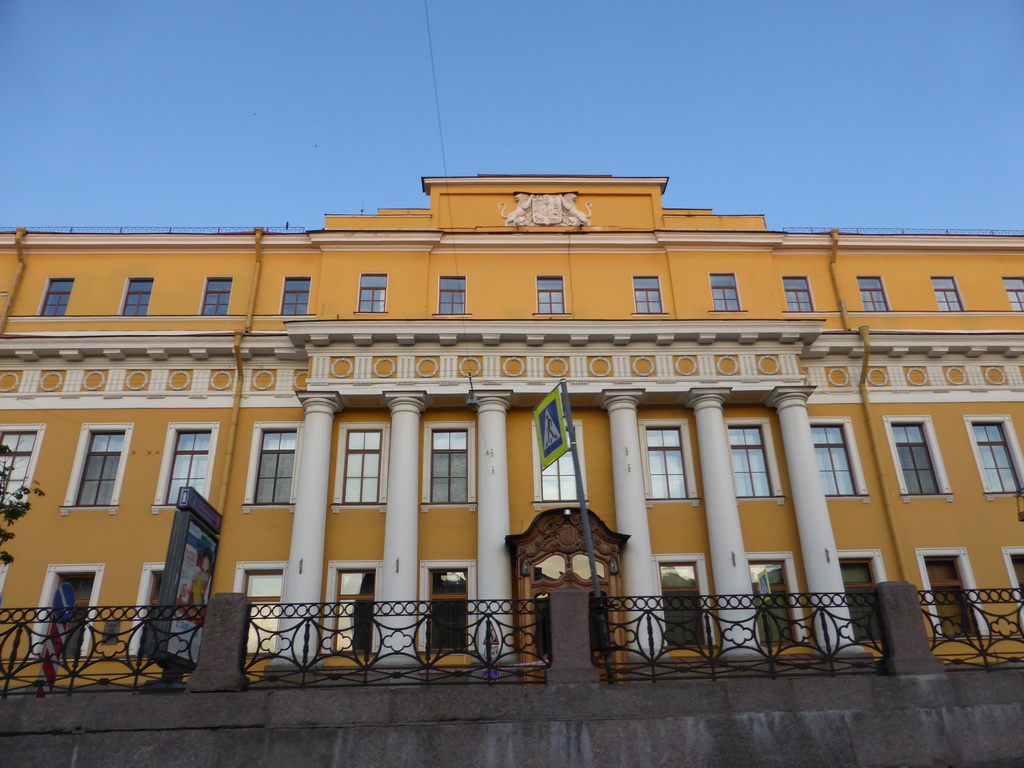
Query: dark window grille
{"type": "Point", "coordinates": [550, 296]}
{"type": "Point", "coordinates": [872, 294]}
{"type": "Point", "coordinates": [946, 294]}
{"type": "Point", "coordinates": [55, 300]}
{"type": "Point", "coordinates": [647, 294]}
{"type": "Point", "coordinates": [136, 298]}
{"type": "Point", "coordinates": [295, 300]}
{"type": "Point", "coordinates": [452, 296]}
{"type": "Point", "coordinates": [833, 460]}
{"type": "Point", "coordinates": [915, 459]}
{"type": "Point", "coordinates": [217, 296]}
{"type": "Point", "coordinates": [798, 294]}
{"type": "Point", "coordinates": [724, 294]}
{"type": "Point", "coordinates": [749, 461]}
{"type": "Point", "coordinates": [99, 471]}
{"type": "Point", "coordinates": [276, 467]}
{"type": "Point", "coordinates": [372, 293]}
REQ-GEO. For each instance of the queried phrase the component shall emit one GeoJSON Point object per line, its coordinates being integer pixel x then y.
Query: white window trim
{"type": "Point", "coordinates": [963, 563]}
{"type": "Point", "coordinates": [426, 566]}
{"type": "Point", "coordinates": [1011, 443]}
{"type": "Point", "coordinates": [1008, 554]}
{"type": "Point", "coordinates": [697, 559]}
{"type": "Point", "coordinates": [774, 478]}
{"type": "Point", "coordinates": [3, 577]}
{"type": "Point", "coordinates": [39, 429]}
{"type": "Point", "coordinates": [334, 568]}
{"type": "Point", "coordinates": [469, 427]}
{"type": "Point", "coordinates": [538, 502]}
{"type": "Point", "coordinates": [788, 565]}
{"type": "Point", "coordinates": [851, 450]}
{"type": "Point", "coordinates": [339, 475]}
{"type": "Point", "coordinates": [70, 499]}
{"type": "Point", "coordinates": [243, 567]}
{"type": "Point", "coordinates": [685, 447]}
{"type": "Point", "coordinates": [359, 292]}
{"type": "Point", "coordinates": [933, 449]}
{"type": "Point", "coordinates": [874, 555]}
{"type": "Point", "coordinates": [254, 459]}
{"type": "Point", "coordinates": [149, 572]}
{"type": "Point", "coordinates": [160, 498]}
{"type": "Point", "coordinates": [53, 574]}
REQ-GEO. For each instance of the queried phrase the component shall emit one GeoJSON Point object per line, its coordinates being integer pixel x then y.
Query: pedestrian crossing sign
{"type": "Point", "coordinates": [549, 424]}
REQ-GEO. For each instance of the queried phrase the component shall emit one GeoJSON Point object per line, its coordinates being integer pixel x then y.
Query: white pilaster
{"type": "Point", "coordinates": [401, 525]}
{"type": "Point", "coordinates": [306, 553]}
{"type": "Point", "coordinates": [638, 573]}
{"type": "Point", "coordinates": [728, 555]}
{"type": "Point", "coordinates": [493, 567]}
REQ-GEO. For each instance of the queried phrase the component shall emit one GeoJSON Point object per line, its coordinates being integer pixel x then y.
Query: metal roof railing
{"type": "Point", "coordinates": [156, 230]}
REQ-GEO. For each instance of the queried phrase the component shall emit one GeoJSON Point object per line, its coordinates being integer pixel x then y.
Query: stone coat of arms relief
{"type": "Point", "coordinates": [557, 210]}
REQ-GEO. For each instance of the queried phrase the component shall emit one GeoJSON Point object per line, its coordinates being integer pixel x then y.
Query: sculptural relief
{"type": "Point", "coordinates": [546, 211]}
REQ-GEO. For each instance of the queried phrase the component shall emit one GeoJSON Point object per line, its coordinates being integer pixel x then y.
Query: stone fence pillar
{"type": "Point", "coordinates": [903, 630]}
{"type": "Point", "coordinates": [571, 660]}
{"type": "Point", "coordinates": [222, 646]}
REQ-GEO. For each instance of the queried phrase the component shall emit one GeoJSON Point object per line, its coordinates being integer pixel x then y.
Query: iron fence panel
{"type": "Point", "coordinates": [975, 628]}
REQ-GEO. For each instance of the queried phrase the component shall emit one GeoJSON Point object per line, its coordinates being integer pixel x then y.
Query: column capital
{"type": "Point", "coordinates": [707, 397]}
{"type": "Point", "coordinates": [614, 399]}
{"type": "Point", "coordinates": [406, 402]}
{"type": "Point", "coordinates": [320, 402]}
{"type": "Point", "coordinates": [784, 397]}
{"type": "Point", "coordinates": [493, 401]}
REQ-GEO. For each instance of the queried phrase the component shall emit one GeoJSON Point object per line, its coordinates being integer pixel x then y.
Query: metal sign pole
{"type": "Point", "coordinates": [570, 429]}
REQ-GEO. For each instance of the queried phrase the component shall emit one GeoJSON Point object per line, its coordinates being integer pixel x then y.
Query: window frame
{"type": "Point", "coordinates": [697, 560]}
{"type": "Point", "coordinates": [469, 427]}
{"type": "Point", "coordinates": [735, 288]}
{"type": "Point", "coordinates": [128, 292]}
{"type": "Point", "coordinates": [384, 427]}
{"type": "Point", "coordinates": [1015, 295]}
{"type": "Point", "coordinates": [207, 294]}
{"type": "Point", "coordinates": [33, 459]}
{"type": "Point", "coordinates": [78, 466]}
{"type": "Point", "coordinates": [58, 305]}
{"type": "Point", "coordinates": [334, 570]}
{"type": "Point", "coordinates": [1012, 448]}
{"type": "Point", "coordinates": [538, 487]}
{"type": "Point", "coordinates": [54, 572]}
{"type": "Point", "coordinates": [384, 291]}
{"type": "Point", "coordinates": [146, 581]}
{"type": "Point", "coordinates": [1008, 554]}
{"type": "Point", "coordinates": [932, 443]}
{"type": "Point", "coordinates": [549, 292]}
{"type": "Point", "coordinates": [963, 564]}
{"type": "Point", "coordinates": [685, 447]}
{"type": "Point", "coordinates": [426, 566]}
{"type": "Point", "coordinates": [285, 292]}
{"type": "Point", "coordinates": [441, 291]}
{"type": "Point", "coordinates": [806, 289]}
{"type": "Point", "coordinates": [942, 295]}
{"type": "Point", "coordinates": [162, 496]}
{"type": "Point", "coordinates": [647, 291]}
{"type": "Point", "coordinates": [792, 585]}
{"type": "Point", "coordinates": [881, 289]}
{"type": "Point", "coordinates": [255, 452]}
{"type": "Point", "coordinates": [774, 478]}
{"type": "Point", "coordinates": [852, 454]}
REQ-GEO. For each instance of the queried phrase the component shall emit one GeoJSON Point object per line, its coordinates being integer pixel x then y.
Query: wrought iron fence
{"type": "Point", "coordinates": [975, 628]}
{"type": "Point", "coordinates": [711, 636]}
{"type": "Point", "coordinates": [46, 651]}
{"type": "Point", "coordinates": [363, 643]}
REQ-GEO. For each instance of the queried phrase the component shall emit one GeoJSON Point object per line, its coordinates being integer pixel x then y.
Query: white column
{"type": "Point", "coordinates": [817, 542]}
{"type": "Point", "coordinates": [400, 569]}
{"type": "Point", "coordinates": [306, 554]}
{"type": "Point", "coordinates": [728, 556]}
{"type": "Point", "coordinates": [493, 566]}
{"type": "Point", "coordinates": [638, 572]}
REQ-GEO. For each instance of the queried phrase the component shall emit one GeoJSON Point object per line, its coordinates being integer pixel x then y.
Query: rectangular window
{"type": "Point", "coordinates": [665, 460]}
{"type": "Point", "coordinates": [647, 295]}
{"type": "Point", "coordinates": [681, 604]}
{"type": "Point", "coordinates": [136, 298]}
{"type": "Point", "coordinates": [1017, 563]}
{"type": "Point", "coordinates": [452, 296]}
{"type": "Point", "coordinates": [997, 464]}
{"type": "Point", "coordinates": [946, 294]}
{"type": "Point", "coordinates": [295, 300]}
{"type": "Point", "coordinates": [99, 470]}
{"type": "Point", "coordinates": [1015, 292]}
{"type": "Point", "coordinates": [749, 462]}
{"type": "Point", "coordinates": [858, 579]}
{"type": "Point", "coordinates": [798, 294]}
{"type": "Point", "coordinates": [833, 460]}
{"type": "Point", "coordinates": [217, 296]}
{"type": "Point", "coordinates": [82, 584]}
{"type": "Point", "coordinates": [768, 581]}
{"type": "Point", "coordinates": [55, 300]}
{"type": "Point", "coordinates": [951, 611]}
{"type": "Point", "coordinates": [263, 587]}
{"type": "Point", "coordinates": [362, 467]}
{"type": "Point", "coordinates": [276, 467]}
{"type": "Point", "coordinates": [15, 459]}
{"type": "Point", "coordinates": [915, 459]}
{"type": "Point", "coordinates": [356, 590]}
{"type": "Point", "coordinates": [558, 480]}
{"type": "Point", "coordinates": [372, 292]}
{"type": "Point", "coordinates": [872, 294]}
{"type": "Point", "coordinates": [724, 294]}
{"type": "Point", "coordinates": [189, 463]}
{"type": "Point", "coordinates": [449, 609]}
{"type": "Point", "coordinates": [449, 467]}
{"type": "Point", "coordinates": [550, 296]}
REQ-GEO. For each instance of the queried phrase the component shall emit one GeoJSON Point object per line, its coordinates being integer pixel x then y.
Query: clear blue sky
{"type": "Point", "coordinates": [870, 113]}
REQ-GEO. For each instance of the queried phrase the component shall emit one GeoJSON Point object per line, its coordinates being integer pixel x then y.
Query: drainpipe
{"type": "Point", "coordinates": [890, 514]}
{"type": "Point", "coordinates": [236, 401]}
{"type": "Point", "coordinates": [835, 279]}
{"type": "Point", "coordinates": [19, 237]}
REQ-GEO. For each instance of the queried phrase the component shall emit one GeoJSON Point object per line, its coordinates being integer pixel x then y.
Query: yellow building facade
{"type": "Point", "coordinates": [757, 409]}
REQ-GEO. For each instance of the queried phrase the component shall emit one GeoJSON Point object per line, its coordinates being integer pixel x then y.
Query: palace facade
{"type": "Point", "coordinates": [757, 410]}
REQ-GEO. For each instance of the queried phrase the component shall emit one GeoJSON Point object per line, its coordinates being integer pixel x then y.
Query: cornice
{"type": "Point", "coordinates": [853, 244]}
{"type": "Point", "coordinates": [75, 346]}
{"type": "Point", "coordinates": [375, 239]}
{"type": "Point", "coordinates": [453, 183]}
{"type": "Point", "coordinates": [155, 244]}
{"type": "Point", "coordinates": [933, 345]}
{"type": "Point", "coordinates": [710, 240]}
